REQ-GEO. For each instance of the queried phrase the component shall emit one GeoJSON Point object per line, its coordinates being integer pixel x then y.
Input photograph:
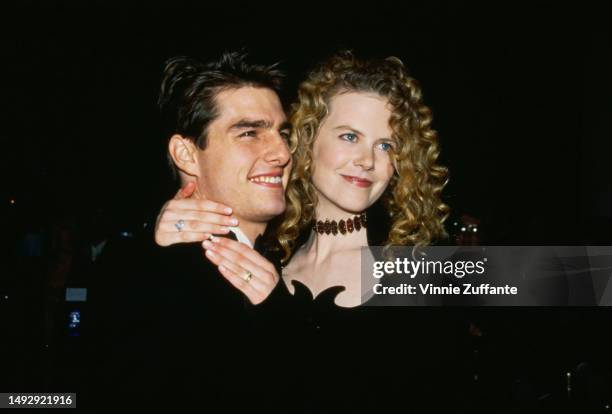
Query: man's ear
{"type": "Point", "coordinates": [183, 152]}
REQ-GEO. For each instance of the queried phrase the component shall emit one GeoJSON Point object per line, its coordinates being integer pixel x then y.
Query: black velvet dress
{"type": "Point", "coordinates": [332, 359]}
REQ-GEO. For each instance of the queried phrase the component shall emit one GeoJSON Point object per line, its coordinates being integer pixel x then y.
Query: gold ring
{"type": "Point", "coordinates": [248, 276]}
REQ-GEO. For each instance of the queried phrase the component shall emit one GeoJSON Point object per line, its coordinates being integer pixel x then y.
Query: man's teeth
{"type": "Point", "coordinates": [266, 179]}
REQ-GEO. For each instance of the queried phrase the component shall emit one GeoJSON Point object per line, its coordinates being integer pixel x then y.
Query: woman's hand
{"type": "Point", "coordinates": [243, 267]}
{"type": "Point", "coordinates": [185, 220]}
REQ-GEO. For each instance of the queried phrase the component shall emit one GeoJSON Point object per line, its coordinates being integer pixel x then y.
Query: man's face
{"type": "Point", "coordinates": [246, 161]}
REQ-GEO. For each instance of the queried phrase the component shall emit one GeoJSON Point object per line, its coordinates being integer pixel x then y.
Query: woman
{"type": "Point", "coordinates": [364, 173]}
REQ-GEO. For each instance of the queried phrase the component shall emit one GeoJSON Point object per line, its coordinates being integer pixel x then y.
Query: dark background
{"type": "Point", "coordinates": [519, 94]}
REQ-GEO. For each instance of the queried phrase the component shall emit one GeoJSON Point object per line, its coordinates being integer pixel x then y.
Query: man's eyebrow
{"type": "Point", "coordinates": [247, 123]}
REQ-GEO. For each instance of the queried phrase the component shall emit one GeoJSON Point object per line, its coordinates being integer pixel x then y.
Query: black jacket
{"type": "Point", "coordinates": [166, 329]}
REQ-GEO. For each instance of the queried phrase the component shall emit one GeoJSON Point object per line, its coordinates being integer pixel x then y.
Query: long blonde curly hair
{"type": "Point", "coordinates": [413, 195]}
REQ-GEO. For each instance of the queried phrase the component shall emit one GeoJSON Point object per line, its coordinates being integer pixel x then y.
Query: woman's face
{"type": "Point", "coordinates": [351, 154]}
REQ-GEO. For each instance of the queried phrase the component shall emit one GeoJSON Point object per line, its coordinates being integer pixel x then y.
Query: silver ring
{"type": "Point", "coordinates": [180, 225]}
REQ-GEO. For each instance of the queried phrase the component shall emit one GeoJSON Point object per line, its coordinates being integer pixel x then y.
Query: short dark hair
{"type": "Point", "coordinates": [189, 88]}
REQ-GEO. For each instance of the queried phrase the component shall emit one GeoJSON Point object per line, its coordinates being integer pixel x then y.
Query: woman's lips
{"type": "Point", "coordinates": [359, 182]}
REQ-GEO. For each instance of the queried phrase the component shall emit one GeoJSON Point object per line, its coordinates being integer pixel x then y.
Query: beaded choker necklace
{"type": "Point", "coordinates": [355, 223]}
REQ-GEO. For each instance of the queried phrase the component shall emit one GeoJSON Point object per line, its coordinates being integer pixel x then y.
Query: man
{"type": "Point", "coordinates": [229, 136]}
{"type": "Point", "coordinates": [182, 343]}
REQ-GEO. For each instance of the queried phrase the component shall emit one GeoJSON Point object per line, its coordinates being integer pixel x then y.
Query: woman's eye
{"type": "Point", "coordinates": [285, 135]}
{"type": "Point", "coordinates": [385, 146]}
{"type": "Point", "coordinates": [349, 136]}
{"type": "Point", "coordinates": [251, 133]}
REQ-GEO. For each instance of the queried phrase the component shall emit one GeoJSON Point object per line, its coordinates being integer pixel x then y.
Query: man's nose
{"type": "Point", "coordinates": [277, 151]}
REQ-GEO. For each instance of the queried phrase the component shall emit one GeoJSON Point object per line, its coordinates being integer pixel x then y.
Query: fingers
{"type": "Point", "coordinates": [235, 258]}
{"type": "Point", "coordinates": [166, 232]}
{"type": "Point", "coordinates": [200, 216]}
{"type": "Point", "coordinates": [197, 216]}
{"type": "Point", "coordinates": [252, 289]}
{"type": "Point", "coordinates": [234, 266]}
{"type": "Point", "coordinates": [198, 205]}
{"type": "Point", "coordinates": [245, 287]}
{"type": "Point", "coordinates": [167, 228]}
{"type": "Point", "coordinates": [246, 251]}
{"type": "Point", "coordinates": [256, 281]}
{"type": "Point", "coordinates": [168, 239]}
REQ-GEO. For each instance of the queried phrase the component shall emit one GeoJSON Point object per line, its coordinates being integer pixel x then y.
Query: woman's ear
{"type": "Point", "coordinates": [183, 153]}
